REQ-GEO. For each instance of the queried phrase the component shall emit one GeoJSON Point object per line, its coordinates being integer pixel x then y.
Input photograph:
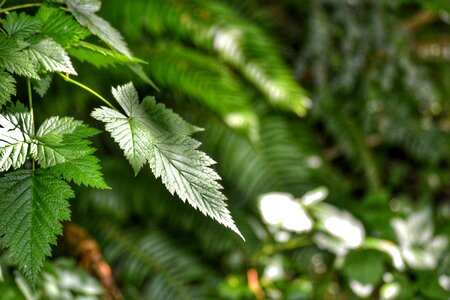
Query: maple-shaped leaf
{"type": "Point", "coordinates": [32, 204]}
{"type": "Point", "coordinates": [150, 133]}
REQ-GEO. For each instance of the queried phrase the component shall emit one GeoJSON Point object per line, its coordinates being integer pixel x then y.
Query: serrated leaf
{"type": "Point", "coordinates": [84, 11]}
{"type": "Point", "coordinates": [21, 26]}
{"type": "Point", "coordinates": [51, 56]}
{"type": "Point", "coordinates": [7, 87]}
{"type": "Point", "coordinates": [148, 132]}
{"type": "Point", "coordinates": [42, 85]}
{"type": "Point", "coordinates": [13, 59]}
{"type": "Point", "coordinates": [61, 143]}
{"type": "Point", "coordinates": [32, 204]}
{"type": "Point", "coordinates": [16, 131]}
{"type": "Point", "coordinates": [61, 27]}
{"type": "Point", "coordinates": [130, 133]}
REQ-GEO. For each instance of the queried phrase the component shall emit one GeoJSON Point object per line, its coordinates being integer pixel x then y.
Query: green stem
{"type": "Point", "coordinates": [30, 100]}
{"type": "Point", "coordinates": [3, 2]}
{"type": "Point", "coordinates": [19, 7]}
{"type": "Point", "coordinates": [67, 78]}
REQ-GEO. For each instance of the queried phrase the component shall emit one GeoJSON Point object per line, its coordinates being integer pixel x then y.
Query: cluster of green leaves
{"type": "Point", "coordinates": [376, 138]}
{"type": "Point", "coordinates": [38, 165]}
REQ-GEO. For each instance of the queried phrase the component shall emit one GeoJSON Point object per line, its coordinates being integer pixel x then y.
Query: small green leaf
{"type": "Point", "coordinates": [32, 204]}
{"type": "Point", "coordinates": [16, 131]}
{"type": "Point", "coordinates": [7, 87]}
{"type": "Point", "coordinates": [21, 26]}
{"type": "Point", "coordinates": [42, 85]}
{"type": "Point", "coordinates": [51, 56]}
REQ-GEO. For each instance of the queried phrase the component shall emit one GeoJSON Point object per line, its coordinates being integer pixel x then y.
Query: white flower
{"type": "Point", "coordinates": [280, 209]}
{"type": "Point", "coordinates": [347, 231]}
{"type": "Point", "coordinates": [419, 248]}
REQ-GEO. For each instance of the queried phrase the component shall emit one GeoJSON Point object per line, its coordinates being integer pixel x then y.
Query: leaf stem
{"type": "Point", "coordinates": [7, 9]}
{"type": "Point", "coordinates": [3, 2]}
{"type": "Point", "coordinates": [67, 78]}
{"type": "Point", "coordinates": [30, 100]}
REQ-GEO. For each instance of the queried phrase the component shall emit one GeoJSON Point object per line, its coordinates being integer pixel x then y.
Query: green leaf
{"type": "Point", "coordinates": [7, 87]}
{"type": "Point", "coordinates": [16, 131]}
{"type": "Point", "coordinates": [62, 145]}
{"type": "Point", "coordinates": [61, 27]}
{"type": "Point", "coordinates": [100, 56]}
{"type": "Point", "coordinates": [32, 204]}
{"type": "Point", "coordinates": [13, 58]}
{"type": "Point", "coordinates": [364, 266]}
{"type": "Point", "coordinates": [84, 11]}
{"type": "Point", "coordinates": [148, 132]}
{"type": "Point", "coordinates": [51, 56]}
{"type": "Point", "coordinates": [21, 26]}
{"type": "Point", "coordinates": [42, 85]}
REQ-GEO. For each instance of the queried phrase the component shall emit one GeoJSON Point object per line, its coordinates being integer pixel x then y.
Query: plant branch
{"type": "Point", "coordinates": [88, 252]}
{"type": "Point", "coordinates": [30, 100]}
{"type": "Point", "coordinates": [7, 9]}
{"type": "Point", "coordinates": [420, 19]}
{"type": "Point", "coordinates": [67, 78]}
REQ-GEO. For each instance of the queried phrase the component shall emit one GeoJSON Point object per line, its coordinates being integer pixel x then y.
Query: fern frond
{"type": "Point", "coordinates": [16, 131]}
{"type": "Point", "coordinates": [84, 12]}
{"type": "Point", "coordinates": [149, 132]}
{"type": "Point", "coordinates": [350, 137]}
{"type": "Point", "coordinates": [32, 203]}
{"type": "Point", "coordinates": [152, 260]}
{"type": "Point", "coordinates": [202, 78]}
{"type": "Point", "coordinates": [99, 56]}
{"type": "Point", "coordinates": [7, 87]}
{"type": "Point", "coordinates": [215, 27]}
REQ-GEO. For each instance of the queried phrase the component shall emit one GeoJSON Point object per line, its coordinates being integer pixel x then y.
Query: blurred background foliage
{"type": "Point", "coordinates": [330, 124]}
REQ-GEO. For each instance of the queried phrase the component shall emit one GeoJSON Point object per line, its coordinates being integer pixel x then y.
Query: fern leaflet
{"type": "Point", "coordinates": [148, 132]}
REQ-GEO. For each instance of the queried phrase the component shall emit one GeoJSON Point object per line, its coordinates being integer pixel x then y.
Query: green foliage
{"type": "Point", "coordinates": [347, 202]}
{"type": "Point", "coordinates": [32, 205]}
{"type": "Point", "coordinates": [84, 12]}
{"type": "Point", "coordinates": [150, 133]}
